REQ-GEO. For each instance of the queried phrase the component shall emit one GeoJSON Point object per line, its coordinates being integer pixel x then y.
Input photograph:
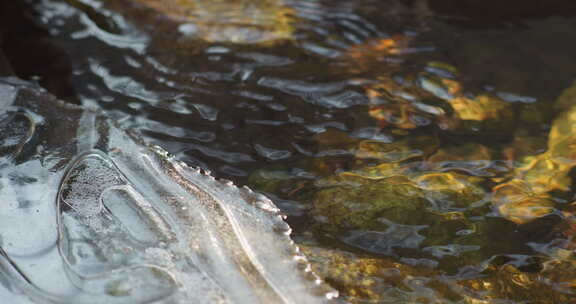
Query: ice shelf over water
{"type": "Point", "coordinates": [91, 214]}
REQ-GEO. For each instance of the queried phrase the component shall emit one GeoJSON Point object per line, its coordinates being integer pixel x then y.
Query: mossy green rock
{"type": "Point", "coordinates": [347, 207]}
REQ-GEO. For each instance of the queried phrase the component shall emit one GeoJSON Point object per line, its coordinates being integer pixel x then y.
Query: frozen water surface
{"type": "Point", "coordinates": [92, 215]}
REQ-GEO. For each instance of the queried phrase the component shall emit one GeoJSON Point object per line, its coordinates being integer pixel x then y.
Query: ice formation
{"type": "Point", "coordinates": [91, 214]}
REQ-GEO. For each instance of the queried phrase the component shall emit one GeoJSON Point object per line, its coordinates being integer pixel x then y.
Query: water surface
{"type": "Point", "coordinates": [422, 154]}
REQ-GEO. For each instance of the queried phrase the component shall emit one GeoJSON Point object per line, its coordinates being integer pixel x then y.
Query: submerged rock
{"type": "Point", "coordinates": [363, 279]}
{"type": "Point", "coordinates": [382, 214]}
{"type": "Point", "coordinates": [91, 214]}
{"type": "Point", "coordinates": [359, 206]}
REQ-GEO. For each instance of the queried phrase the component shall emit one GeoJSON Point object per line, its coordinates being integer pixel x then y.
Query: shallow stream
{"type": "Point", "coordinates": [423, 152]}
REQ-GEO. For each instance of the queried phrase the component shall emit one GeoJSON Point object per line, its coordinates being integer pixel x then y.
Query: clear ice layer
{"type": "Point", "coordinates": [91, 214]}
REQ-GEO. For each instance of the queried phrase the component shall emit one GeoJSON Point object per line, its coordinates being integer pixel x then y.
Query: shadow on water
{"type": "Point", "coordinates": [31, 52]}
{"type": "Point", "coordinates": [497, 14]}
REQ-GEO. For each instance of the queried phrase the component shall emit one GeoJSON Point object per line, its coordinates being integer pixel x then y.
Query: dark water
{"type": "Point", "coordinates": [423, 152]}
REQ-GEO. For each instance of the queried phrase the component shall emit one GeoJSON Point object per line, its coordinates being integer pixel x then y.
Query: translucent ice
{"type": "Point", "coordinates": [91, 214]}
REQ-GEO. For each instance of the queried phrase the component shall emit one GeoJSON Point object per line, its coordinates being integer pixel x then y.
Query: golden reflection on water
{"type": "Point", "coordinates": [356, 200]}
{"type": "Point", "coordinates": [526, 197]}
{"type": "Point", "coordinates": [241, 21]}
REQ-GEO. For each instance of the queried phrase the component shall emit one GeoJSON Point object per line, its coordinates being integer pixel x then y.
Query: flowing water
{"type": "Point", "coordinates": [423, 153]}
